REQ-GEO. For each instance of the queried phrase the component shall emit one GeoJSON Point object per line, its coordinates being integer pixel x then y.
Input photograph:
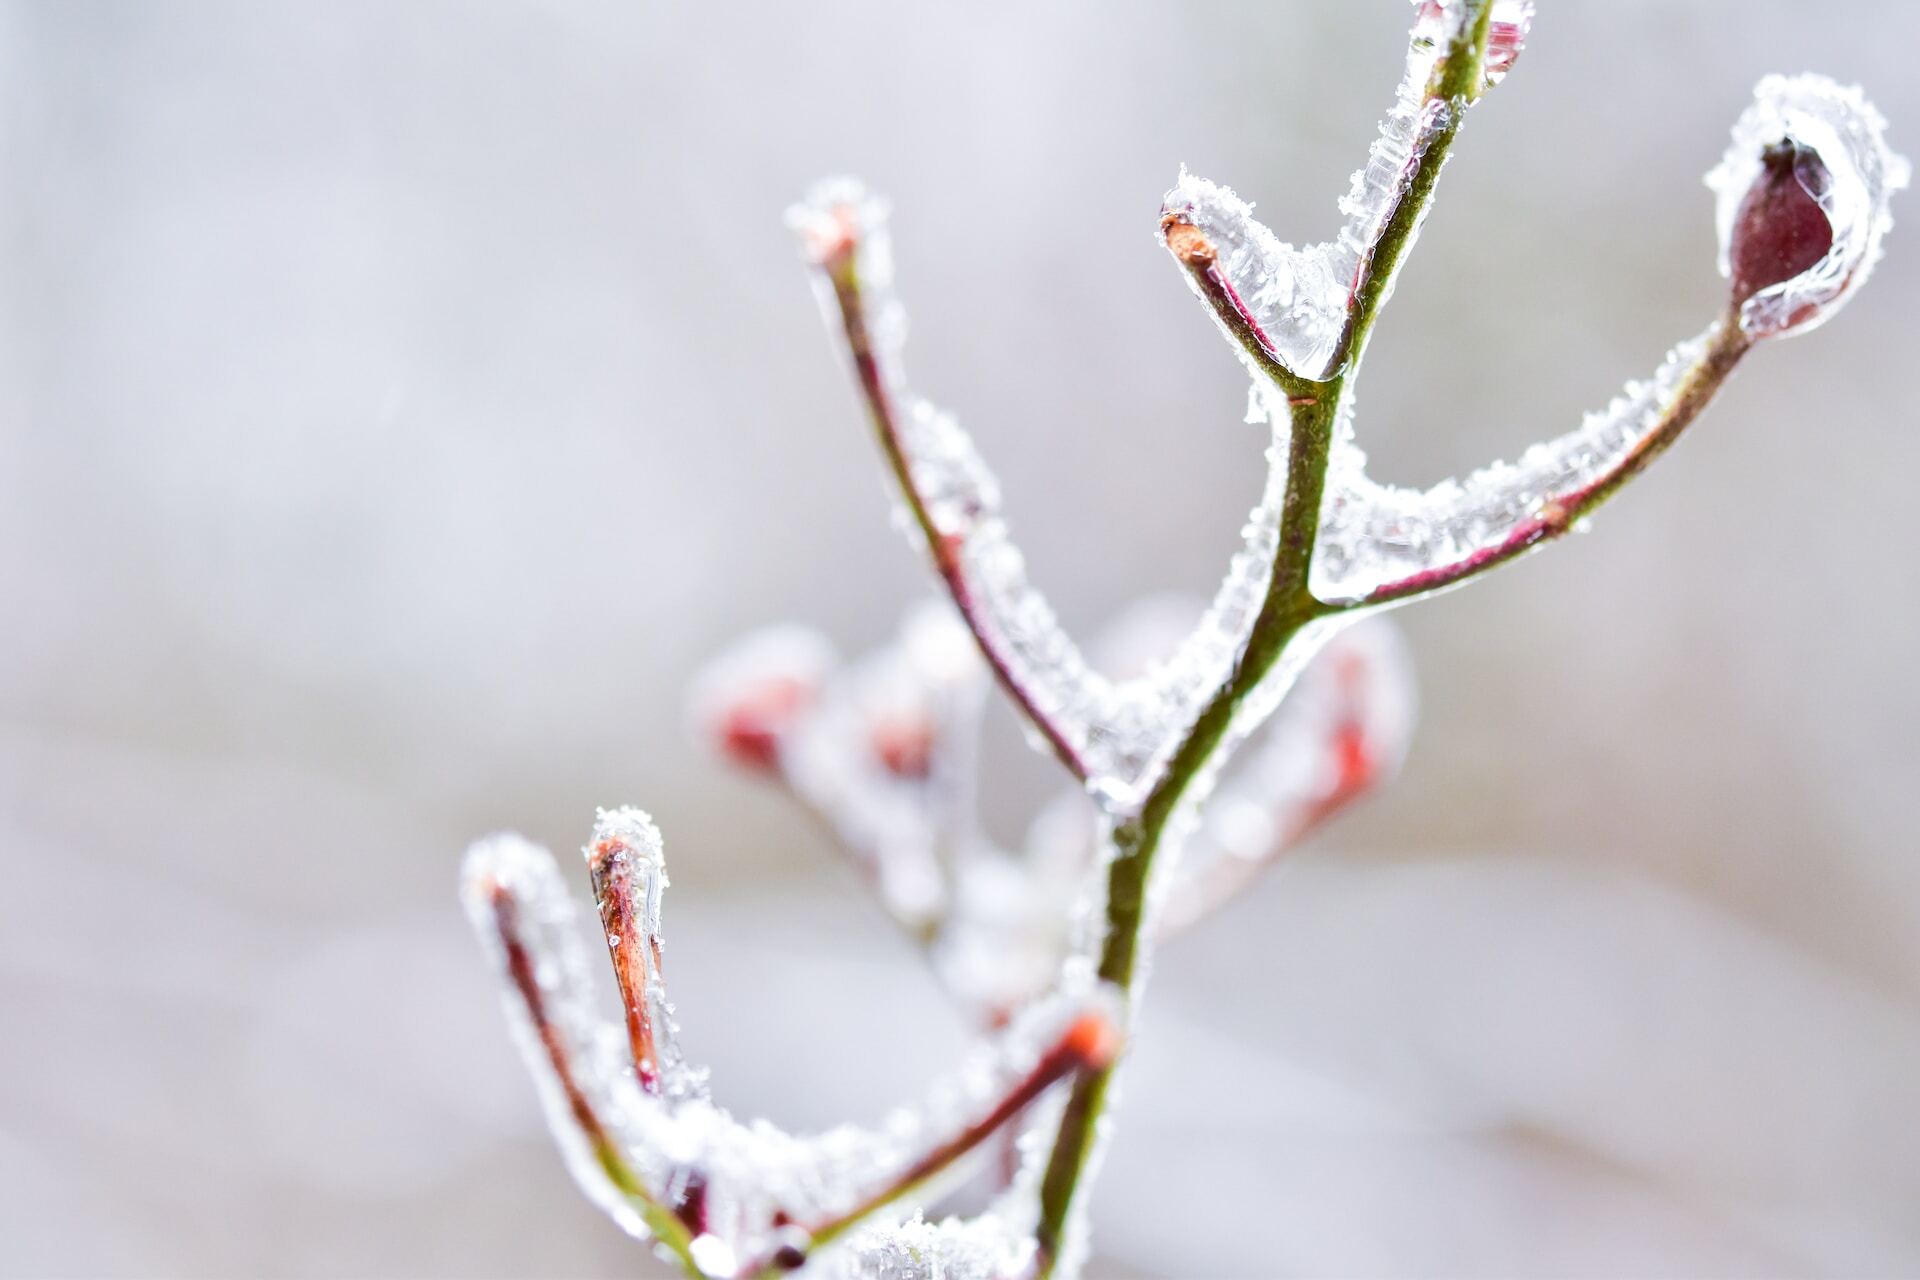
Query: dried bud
{"type": "Point", "coordinates": [1803, 196]}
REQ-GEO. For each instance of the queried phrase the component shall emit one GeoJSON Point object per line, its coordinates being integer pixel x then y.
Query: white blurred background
{"type": "Point", "coordinates": [397, 401]}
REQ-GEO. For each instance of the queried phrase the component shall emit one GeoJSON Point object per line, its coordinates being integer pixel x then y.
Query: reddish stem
{"type": "Point", "coordinates": [839, 261]}
{"type": "Point", "coordinates": [1090, 1043]}
{"type": "Point", "coordinates": [631, 945]}
{"type": "Point", "coordinates": [1725, 346]}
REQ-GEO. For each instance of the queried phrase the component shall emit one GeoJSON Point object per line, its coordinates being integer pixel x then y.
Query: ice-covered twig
{"type": "Point", "coordinates": [651, 1149]}
{"type": "Point", "coordinates": [505, 880]}
{"type": "Point", "coordinates": [1803, 198]}
{"type": "Point", "coordinates": [1114, 736]}
{"type": "Point", "coordinates": [1089, 1043]}
{"type": "Point", "coordinates": [628, 879]}
{"type": "Point", "coordinates": [949, 493]}
{"type": "Point", "coordinates": [1382, 545]}
{"type": "Point", "coordinates": [1300, 315]}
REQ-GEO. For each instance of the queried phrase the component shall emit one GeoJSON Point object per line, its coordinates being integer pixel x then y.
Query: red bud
{"type": "Point", "coordinates": [1781, 231]}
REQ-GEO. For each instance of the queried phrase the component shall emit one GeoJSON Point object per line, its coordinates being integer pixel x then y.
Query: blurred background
{"type": "Point", "coordinates": [398, 402]}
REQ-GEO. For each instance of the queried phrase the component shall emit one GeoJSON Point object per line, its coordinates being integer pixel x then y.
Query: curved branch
{"type": "Point", "coordinates": [1386, 546]}
{"type": "Point", "coordinates": [839, 239]}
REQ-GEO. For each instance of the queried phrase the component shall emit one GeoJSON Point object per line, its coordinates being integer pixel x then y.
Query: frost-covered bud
{"type": "Point", "coordinates": [1803, 196]}
{"type": "Point", "coordinates": [746, 702]}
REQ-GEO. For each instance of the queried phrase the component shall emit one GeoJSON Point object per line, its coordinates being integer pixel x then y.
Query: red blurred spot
{"type": "Point", "coordinates": [751, 726]}
{"type": "Point", "coordinates": [904, 745]}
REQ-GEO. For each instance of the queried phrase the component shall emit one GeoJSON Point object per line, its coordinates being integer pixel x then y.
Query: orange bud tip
{"type": "Point", "coordinates": [1094, 1040]}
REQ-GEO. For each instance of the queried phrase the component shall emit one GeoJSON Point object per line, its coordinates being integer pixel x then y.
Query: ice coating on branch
{"type": "Point", "coordinates": [1845, 167]}
{"type": "Point", "coordinates": [1438, 23]}
{"type": "Point", "coordinates": [1376, 537]}
{"type": "Point", "coordinates": [626, 865]}
{"type": "Point", "coordinates": [982, 1248]}
{"type": "Point", "coordinates": [1118, 731]}
{"type": "Point", "coordinates": [1417, 116]}
{"type": "Point", "coordinates": [743, 1190]}
{"type": "Point", "coordinates": [1296, 299]}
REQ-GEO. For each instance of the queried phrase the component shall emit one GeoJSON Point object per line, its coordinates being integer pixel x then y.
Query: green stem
{"type": "Point", "coordinates": [1287, 607]}
{"type": "Point", "coordinates": [1289, 604]}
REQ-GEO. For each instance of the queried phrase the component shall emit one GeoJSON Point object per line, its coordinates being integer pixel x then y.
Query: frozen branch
{"type": "Point", "coordinates": [650, 1147]}
{"type": "Point", "coordinates": [1112, 736]}
{"type": "Point", "coordinates": [1802, 195]}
